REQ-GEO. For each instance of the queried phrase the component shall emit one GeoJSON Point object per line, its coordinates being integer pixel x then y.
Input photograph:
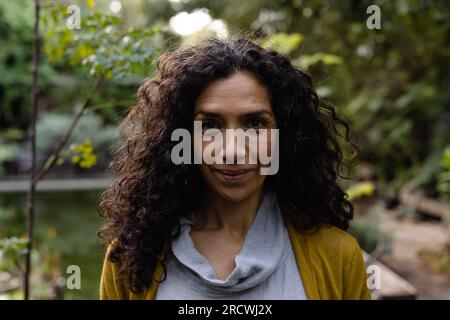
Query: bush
{"type": "Point", "coordinates": [51, 127]}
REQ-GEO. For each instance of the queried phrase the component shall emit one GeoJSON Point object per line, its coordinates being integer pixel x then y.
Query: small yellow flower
{"type": "Point", "coordinates": [84, 154]}
{"type": "Point", "coordinates": [75, 159]}
{"type": "Point", "coordinates": [361, 189]}
{"type": "Point", "coordinates": [90, 4]}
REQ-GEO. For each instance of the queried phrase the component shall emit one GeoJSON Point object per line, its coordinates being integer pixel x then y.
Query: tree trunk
{"type": "Point", "coordinates": [34, 111]}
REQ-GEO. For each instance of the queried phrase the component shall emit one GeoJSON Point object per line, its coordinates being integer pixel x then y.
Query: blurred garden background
{"type": "Point", "coordinates": [391, 84]}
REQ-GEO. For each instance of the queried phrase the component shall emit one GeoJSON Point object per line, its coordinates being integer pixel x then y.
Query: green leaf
{"type": "Point", "coordinates": [283, 43]}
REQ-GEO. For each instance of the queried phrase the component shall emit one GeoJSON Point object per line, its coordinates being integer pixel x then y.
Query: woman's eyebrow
{"type": "Point", "coordinates": [257, 113]}
{"type": "Point", "coordinates": [207, 113]}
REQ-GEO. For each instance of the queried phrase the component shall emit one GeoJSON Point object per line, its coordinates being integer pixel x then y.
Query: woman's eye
{"type": "Point", "coordinates": [256, 124]}
{"type": "Point", "coordinates": [208, 124]}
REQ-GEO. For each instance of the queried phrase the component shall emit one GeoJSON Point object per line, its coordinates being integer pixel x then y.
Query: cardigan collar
{"type": "Point", "coordinates": [264, 249]}
{"type": "Point", "coordinates": [298, 242]}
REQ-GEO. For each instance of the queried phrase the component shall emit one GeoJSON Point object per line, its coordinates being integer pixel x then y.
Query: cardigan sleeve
{"type": "Point", "coordinates": [355, 281]}
{"type": "Point", "coordinates": [110, 287]}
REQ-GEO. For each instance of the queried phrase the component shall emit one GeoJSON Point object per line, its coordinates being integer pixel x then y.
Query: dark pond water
{"type": "Point", "coordinates": [67, 223]}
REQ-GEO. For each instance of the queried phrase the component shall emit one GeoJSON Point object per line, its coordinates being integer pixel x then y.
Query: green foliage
{"type": "Point", "coordinates": [15, 40]}
{"type": "Point", "coordinates": [9, 146]}
{"type": "Point", "coordinates": [101, 45]}
{"type": "Point", "coordinates": [51, 126]}
{"type": "Point", "coordinates": [306, 61]}
{"type": "Point", "coordinates": [46, 277]}
{"type": "Point", "coordinates": [283, 43]}
{"type": "Point", "coordinates": [7, 152]}
{"type": "Point", "coordinates": [367, 231]}
{"type": "Point", "coordinates": [11, 251]}
{"type": "Point", "coordinates": [105, 45]}
{"type": "Point", "coordinates": [288, 44]}
{"type": "Point", "coordinates": [443, 184]}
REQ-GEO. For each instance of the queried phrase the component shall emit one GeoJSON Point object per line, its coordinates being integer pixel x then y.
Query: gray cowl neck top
{"type": "Point", "coordinates": [265, 266]}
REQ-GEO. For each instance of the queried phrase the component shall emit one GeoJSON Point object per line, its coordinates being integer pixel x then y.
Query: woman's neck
{"type": "Point", "coordinates": [215, 213]}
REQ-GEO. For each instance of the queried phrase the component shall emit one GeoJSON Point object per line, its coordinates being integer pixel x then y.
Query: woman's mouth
{"type": "Point", "coordinates": [237, 175]}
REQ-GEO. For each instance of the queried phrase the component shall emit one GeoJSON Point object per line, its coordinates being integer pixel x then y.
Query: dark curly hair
{"type": "Point", "coordinates": [150, 193]}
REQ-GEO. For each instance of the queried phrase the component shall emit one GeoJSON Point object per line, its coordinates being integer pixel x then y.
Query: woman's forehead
{"type": "Point", "coordinates": [240, 92]}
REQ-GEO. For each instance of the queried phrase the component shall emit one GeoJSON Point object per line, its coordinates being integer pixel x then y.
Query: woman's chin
{"type": "Point", "coordinates": [234, 194]}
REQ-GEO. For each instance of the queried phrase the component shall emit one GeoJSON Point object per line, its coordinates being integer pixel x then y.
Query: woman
{"type": "Point", "coordinates": [224, 230]}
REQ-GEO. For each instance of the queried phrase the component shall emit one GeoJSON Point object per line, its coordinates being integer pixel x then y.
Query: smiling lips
{"type": "Point", "coordinates": [233, 175]}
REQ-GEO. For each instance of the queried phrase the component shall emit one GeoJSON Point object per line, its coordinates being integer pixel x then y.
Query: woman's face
{"type": "Point", "coordinates": [237, 102]}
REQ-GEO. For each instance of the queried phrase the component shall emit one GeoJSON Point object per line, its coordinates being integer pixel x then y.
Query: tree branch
{"type": "Point", "coordinates": [51, 160]}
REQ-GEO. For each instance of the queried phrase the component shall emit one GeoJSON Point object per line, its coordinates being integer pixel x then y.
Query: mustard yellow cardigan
{"type": "Point", "coordinates": [330, 262]}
